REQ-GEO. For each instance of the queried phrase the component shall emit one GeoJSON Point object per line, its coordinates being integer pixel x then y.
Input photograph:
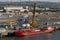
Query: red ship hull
{"type": "Point", "coordinates": [31, 32]}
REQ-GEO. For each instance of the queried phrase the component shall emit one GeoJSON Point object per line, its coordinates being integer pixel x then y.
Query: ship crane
{"type": "Point", "coordinates": [33, 22]}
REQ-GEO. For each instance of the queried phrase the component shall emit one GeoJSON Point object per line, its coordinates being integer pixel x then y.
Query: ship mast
{"type": "Point", "coordinates": [33, 23]}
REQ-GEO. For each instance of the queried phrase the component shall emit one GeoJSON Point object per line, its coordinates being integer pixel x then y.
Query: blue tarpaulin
{"type": "Point", "coordinates": [22, 21]}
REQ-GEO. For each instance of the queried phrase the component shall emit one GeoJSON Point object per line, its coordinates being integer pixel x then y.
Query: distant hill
{"type": "Point", "coordinates": [25, 3]}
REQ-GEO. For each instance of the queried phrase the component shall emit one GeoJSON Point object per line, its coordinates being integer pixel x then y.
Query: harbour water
{"type": "Point", "coordinates": [45, 36]}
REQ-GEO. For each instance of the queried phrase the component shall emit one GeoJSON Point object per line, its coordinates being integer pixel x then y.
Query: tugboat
{"type": "Point", "coordinates": [24, 32]}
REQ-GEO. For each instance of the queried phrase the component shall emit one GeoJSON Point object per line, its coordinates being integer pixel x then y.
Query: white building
{"type": "Point", "coordinates": [13, 8]}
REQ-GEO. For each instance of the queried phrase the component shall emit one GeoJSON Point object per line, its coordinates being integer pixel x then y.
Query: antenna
{"type": "Point", "coordinates": [20, 3]}
{"type": "Point", "coordinates": [58, 5]}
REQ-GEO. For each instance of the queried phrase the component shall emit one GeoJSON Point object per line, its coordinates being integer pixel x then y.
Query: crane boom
{"type": "Point", "coordinates": [33, 22]}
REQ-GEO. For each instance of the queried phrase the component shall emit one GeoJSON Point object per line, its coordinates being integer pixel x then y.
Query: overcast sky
{"type": "Point", "coordinates": [28, 0]}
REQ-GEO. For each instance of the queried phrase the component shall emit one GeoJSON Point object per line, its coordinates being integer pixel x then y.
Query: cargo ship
{"type": "Point", "coordinates": [32, 31]}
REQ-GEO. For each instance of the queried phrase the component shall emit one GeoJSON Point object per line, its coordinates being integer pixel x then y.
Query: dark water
{"type": "Point", "coordinates": [46, 36]}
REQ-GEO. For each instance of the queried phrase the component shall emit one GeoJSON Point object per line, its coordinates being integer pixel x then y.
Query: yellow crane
{"type": "Point", "coordinates": [33, 22]}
